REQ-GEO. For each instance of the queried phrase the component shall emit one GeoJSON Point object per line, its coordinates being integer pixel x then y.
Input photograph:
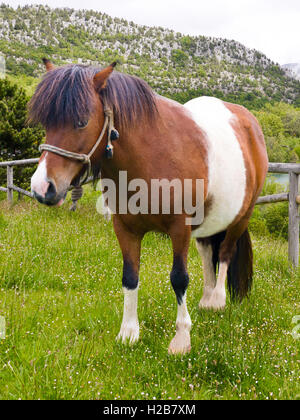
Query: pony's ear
{"type": "Point", "coordinates": [101, 77]}
{"type": "Point", "coordinates": [49, 66]}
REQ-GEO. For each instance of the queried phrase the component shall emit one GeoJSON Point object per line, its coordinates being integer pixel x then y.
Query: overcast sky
{"type": "Point", "coordinates": [270, 26]}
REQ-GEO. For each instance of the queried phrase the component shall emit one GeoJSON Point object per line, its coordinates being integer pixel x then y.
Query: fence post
{"type": "Point", "coordinates": [10, 183]}
{"type": "Point", "coordinates": [293, 220]}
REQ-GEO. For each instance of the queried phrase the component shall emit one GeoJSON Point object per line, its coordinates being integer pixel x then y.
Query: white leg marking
{"type": "Point", "coordinates": [218, 297]}
{"type": "Point", "coordinates": [209, 274]}
{"type": "Point", "coordinates": [39, 183]}
{"type": "Point", "coordinates": [130, 329]}
{"type": "Point", "coordinates": [181, 343]}
{"type": "Point", "coordinates": [107, 213]}
{"type": "Point", "coordinates": [103, 204]}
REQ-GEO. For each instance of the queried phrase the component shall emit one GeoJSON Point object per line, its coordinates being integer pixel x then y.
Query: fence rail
{"type": "Point", "coordinates": [293, 197]}
{"type": "Point", "coordinates": [10, 188]}
{"type": "Point", "coordinates": [24, 162]}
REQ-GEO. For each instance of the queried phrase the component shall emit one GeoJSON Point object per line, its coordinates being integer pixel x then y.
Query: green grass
{"type": "Point", "coordinates": [61, 296]}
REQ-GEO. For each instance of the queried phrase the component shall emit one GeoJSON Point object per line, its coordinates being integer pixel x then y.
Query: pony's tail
{"type": "Point", "coordinates": [240, 270]}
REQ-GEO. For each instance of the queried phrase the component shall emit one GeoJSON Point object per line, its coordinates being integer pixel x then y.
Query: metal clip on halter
{"type": "Point", "coordinates": [109, 151]}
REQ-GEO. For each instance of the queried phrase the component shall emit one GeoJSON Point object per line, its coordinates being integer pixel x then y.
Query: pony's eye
{"type": "Point", "coordinates": [81, 124]}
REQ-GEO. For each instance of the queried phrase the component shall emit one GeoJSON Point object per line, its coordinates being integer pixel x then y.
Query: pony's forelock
{"type": "Point", "coordinates": [66, 95]}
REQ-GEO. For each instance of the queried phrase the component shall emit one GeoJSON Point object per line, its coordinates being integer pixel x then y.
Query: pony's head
{"type": "Point", "coordinates": [68, 104]}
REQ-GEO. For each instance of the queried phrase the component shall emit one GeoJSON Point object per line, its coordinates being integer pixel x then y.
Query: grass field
{"type": "Point", "coordinates": [61, 296]}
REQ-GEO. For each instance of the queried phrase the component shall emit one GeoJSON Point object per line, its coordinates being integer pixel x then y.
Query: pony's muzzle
{"type": "Point", "coordinates": [50, 198]}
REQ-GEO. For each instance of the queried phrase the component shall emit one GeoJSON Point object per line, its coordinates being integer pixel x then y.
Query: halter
{"type": "Point", "coordinates": [86, 159]}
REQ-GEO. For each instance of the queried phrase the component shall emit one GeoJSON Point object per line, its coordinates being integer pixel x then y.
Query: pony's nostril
{"type": "Point", "coordinates": [51, 192]}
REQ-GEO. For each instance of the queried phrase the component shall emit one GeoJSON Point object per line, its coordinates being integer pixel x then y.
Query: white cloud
{"type": "Point", "coordinates": [271, 26]}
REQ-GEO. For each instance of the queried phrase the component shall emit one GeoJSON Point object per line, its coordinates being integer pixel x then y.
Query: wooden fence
{"type": "Point", "coordinates": [293, 197]}
{"type": "Point", "coordinates": [10, 187]}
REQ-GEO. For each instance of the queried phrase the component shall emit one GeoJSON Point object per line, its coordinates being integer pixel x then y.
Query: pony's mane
{"type": "Point", "coordinates": [66, 95]}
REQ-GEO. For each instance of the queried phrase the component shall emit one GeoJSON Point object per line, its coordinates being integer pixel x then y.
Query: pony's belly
{"type": "Point", "coordinates": [226, 166]}
{"type": "Point", "coordinates": [218, 220]}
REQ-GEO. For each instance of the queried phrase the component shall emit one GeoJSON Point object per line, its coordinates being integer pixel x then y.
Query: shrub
{"type": "Point", "coordinates": [277, 219]}
{"type": "Point", "coordinates": [297, 151]}
{"type": "Point", "coordinates": [17, 140]}
{"type": "Point", "coordinates": [280, 123]}
{"type": "Point", "coordinates": [179, 58]}
{"type": "Point", "coordinates": [258, 225]}
{"type": "Point", "coordinates": [270, 219]}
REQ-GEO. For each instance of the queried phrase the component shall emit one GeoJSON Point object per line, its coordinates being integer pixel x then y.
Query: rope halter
{"type": "Point", "coordinates": [85, 159]}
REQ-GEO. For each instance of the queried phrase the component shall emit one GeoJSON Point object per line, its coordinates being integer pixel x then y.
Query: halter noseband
{"type": "Point", "coordinates": [86, 159]}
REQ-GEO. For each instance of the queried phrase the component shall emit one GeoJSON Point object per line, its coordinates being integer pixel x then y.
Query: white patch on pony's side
{"type": "Point", "coordinates": [130, 329]}
{"type": "Point", "coordinates": [226, 166]}
{"type": "Point", "coordinates": [39, 183]}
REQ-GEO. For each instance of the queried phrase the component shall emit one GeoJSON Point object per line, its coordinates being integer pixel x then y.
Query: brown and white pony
{"type": "Point", "coordinates": [206, 139]}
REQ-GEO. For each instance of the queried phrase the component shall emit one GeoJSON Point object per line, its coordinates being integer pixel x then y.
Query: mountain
{"type": "Point", "coordinates": [293, 69]}
{"type": "Point", "coordinates": [174, 65]}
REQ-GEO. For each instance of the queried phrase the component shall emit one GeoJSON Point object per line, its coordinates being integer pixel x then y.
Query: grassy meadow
{"type": "Point", "coordinates": [61, 297]}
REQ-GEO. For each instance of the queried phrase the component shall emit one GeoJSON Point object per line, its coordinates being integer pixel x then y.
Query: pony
{"type": "Point", "coordinates": [84, 108]}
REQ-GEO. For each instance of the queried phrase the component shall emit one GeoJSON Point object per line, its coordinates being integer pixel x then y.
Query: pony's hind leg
{"type": "Point", "coordinates": [205, 250]}
{"type": "Point", "coordinates": [214, 294]}
{"type": "Point", "coordinates": [130, 246]}
{"type": "Point", "coordinates": [235, 260]}
{"type": "Point", "coordinates": [181, 343]}
{"type": "Point", "coordinates": [218, 297]}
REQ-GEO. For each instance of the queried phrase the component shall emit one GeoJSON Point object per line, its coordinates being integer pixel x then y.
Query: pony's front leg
{"type": "Point", "coordinates": [130, 329]}
{"type": "Point", "coordinates": [181, 343]}
{"type": "Point", "coordinates": [130, 246]}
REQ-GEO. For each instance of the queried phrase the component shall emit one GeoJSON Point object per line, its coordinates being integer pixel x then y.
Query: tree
{"type": "Point", "coordinates": [17, 139]}
{"type": "Point", "coordinates": [280, 123]}
{"type": "Point", "coordinates": [179, 58]}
